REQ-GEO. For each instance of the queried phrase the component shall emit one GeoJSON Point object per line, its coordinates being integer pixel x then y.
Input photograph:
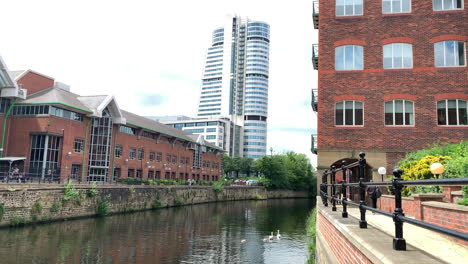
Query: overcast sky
{"type": "Point", "coordinates": [150, 53]}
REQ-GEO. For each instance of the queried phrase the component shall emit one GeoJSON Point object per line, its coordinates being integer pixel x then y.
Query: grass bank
{"type": "Point", "coordinates": [311, 231]}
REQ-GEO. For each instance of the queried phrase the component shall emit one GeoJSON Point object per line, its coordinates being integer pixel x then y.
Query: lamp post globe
{"type": "Point", "coordinates": [437, 168]}
{"type": "Point", "coordinates": [382, 171]}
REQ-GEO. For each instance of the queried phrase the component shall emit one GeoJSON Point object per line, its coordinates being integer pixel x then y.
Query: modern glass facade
{"type": "Point", "coordinates": [235, 81]}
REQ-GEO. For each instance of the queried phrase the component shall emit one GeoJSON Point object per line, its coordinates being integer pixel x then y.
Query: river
{"type": "Point", "coordinates": [205, 233]}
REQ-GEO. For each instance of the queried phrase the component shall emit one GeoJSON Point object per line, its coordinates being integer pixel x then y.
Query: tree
{"type": "Point", "coordinates": [246, 166]}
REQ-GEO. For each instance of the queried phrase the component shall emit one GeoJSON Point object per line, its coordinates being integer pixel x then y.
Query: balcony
{"type": "Point", "coordinates": [315, 14]}
{"type": "Point", "coordinates": [314, 101]}
{"type": "Point", "coordinates": [313, 145]}
{"type": "Point", "coordinates": [315, 56]}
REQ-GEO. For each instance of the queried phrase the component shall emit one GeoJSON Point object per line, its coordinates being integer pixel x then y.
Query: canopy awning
{"type": "Point", "coordinates": [12, 159]}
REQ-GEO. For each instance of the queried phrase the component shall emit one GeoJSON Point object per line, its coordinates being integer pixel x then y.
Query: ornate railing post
{"type": "Point", "coordinates": [333, 172]}
{"type": "Point", "coordinates": [343, 189]}
{"type": "Point", "coordinates": [362, 190]}
{"type": "Point", "coordinates": [399, 242]}
{"type": "Point", "coordinates": [324, 188]}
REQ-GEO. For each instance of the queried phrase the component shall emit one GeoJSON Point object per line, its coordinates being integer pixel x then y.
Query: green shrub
{"type": "Point", "coordinates": [464, 201]}
{"type": "Point", "coordinates": [93, 191]}
{"type": "Point", "coordinates": [218, 186]}
{"type": "Point", "coordinates": [102, 206]}
{"type": "Point", "coordinates": [55, 207]}
{"type": "Point", "coordinates": [156, 204]}
{"type": "Point", "coordinates": [36, 210]}
{"type": "Point", "coordinates": [257, 197]}
{"type": "Point", "coordinates": [17, 220]}
{"type": "Point", "coordinates": [178, 202]}
{"type": "Point", "coordinates": [311, 234]}
{"type": "Point", "coordinates": [71, 194]}
{"type": "Point", "coordinates": [2, 211]}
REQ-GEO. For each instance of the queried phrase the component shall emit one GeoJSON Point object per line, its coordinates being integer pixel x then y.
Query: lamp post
{"type": "Point", "coordinates": [437, 169]}
{"type": "Point", "coordinates": [382, 171]}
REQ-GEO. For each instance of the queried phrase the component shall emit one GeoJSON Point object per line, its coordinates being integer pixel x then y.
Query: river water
{"type": "Point", "coordinates": [205, 233]}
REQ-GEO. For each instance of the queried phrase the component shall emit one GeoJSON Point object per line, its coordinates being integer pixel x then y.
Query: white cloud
{"type": "Point", "coordinates": [158, 47]}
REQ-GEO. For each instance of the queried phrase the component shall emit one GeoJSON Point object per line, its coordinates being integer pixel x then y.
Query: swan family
{"type": "Point", "coordinates": [270, 237]}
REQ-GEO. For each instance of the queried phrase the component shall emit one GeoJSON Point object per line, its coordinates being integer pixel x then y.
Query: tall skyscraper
{"type": "Point", "coordinates": [235, 82]}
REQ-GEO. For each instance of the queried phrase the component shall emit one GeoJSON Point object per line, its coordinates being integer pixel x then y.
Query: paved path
{"type": "Point", "coordinates": [434, 243]}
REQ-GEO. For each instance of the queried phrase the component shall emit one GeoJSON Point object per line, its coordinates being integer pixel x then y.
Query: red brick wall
{"type": "Point", "coordinates": [35, 82]}
{"type": "Point", "coordinates": [387, 203]}
{"type": "Point", "coordinates": [423, 83]}
{"type": "Point", "coordinates": [343, 250]}
{"type": "Point", "coordinates": [453, 219]}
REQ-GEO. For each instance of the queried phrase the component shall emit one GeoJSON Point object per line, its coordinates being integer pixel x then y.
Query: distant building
{"type": "Point", "coordinates": [64, 135]}
{"type": "Point", "coordinates": [392, 78]}
{"type": "Point", "coordinates": [235, 81]}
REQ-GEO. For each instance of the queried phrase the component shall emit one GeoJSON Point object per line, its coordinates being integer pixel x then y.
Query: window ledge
{"type": "Point", "coordinates": [452, 126]}
{"type": "Point", "coordinates": [442, 12]}
{"type": "Point", "coordinates": [400, 126]}
{"type": "Point", "coordinates": [349, 127]}
{"type": "Point", "coordinates": [348, 17]}
{"type": "Point", "coordinates": [348, 71]}
{"type": "Point", "coordinates": [397, 69]}
{"type": "Point", "coordinates": [396, 14]}
{"type": "Point", "coordinates": [451, 68]}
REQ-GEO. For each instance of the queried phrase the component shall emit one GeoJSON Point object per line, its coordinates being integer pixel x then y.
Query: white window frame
{"type": "Point", "coordinates": [444, 9]}
{"type": "Point", "coordinates": [446, 111]}
{"type": "Point", "coordinates": [353, 57]}
{"type": "Point", "coordinates": [354, 9]}
{"type": "Point", "coordinates": [354, 113]}
{"type": "Point", "coordinates": [445, 57]}
{"type": "Point", "coordinates": [401, 8]}
{"type": "Point", "coordinates": [402, 58]}
{"type": "Point", "coordinates": [404, 118]}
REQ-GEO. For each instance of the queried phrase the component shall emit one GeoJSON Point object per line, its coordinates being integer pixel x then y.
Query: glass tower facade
{"type": "Point", "coordinates": [235, 81]}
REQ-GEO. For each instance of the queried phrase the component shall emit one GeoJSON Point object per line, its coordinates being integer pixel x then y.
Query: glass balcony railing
{"type": "Point", "coordinates": [313, 145]}
{"type": "Point", "coordinates": [314, 101]}
{"type": "Point", "coordinates": [315, 56]}
{"type": "Point", "coordinates": [315, 14]}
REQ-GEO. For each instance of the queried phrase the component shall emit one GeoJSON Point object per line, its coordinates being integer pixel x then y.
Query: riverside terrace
{"type": "Point", "coordinates": [329, 192]}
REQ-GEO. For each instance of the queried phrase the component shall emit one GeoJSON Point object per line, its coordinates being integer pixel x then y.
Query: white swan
{"type": "Point", "coordinates": [278, 236]}
{"type": "Point", "coordinates": [271, 236]}
{"type": "Point", "coordinates": [265, 240]}
{"type": "Point", "coordinates": [243, 241]}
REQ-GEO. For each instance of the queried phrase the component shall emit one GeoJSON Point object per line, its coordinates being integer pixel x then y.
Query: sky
{"type": "Point", "coordinates": [149, 54]}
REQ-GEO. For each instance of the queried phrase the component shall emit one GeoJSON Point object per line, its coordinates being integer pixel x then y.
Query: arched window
{"type": "Point", "coordinates": [349, 57]}
{"type": "Point", "coordinates": [399, 113]}
{"type": "Point", "coordinates": [349, 113]}
{"type": "Point", "coordinates": [449, 53]}
{"type": "Point", "coordinates": [397, 56]}
{"type": "Point", "coordinates": [452, 112]}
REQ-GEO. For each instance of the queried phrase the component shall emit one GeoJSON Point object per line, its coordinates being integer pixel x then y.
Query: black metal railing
{"type": "Point", "coordinates": [313, 143]}
{"type": "Point", "coordinates": [314, 100]}
{"type": "Point", "coordinates": [397, 183]}
{"type": "Point", "coordinates": [315, 54]}
{"type": "Point", "coordinates": [315, 13]}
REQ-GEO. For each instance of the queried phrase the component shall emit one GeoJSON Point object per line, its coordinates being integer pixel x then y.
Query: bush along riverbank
{"type": "Point", "coordinates": [311, 232]}
{"type": "Point", "coordinates": [35, 205]}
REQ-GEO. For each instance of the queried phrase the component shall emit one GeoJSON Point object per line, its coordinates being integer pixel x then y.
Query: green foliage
{"type": "Point", "coordinates": [102, 205]}
{"type": "Point", "coordinates": [416, 165]}
{"type": "Point", "coordinates": [156, 204]}
{"type": "Point", "coordinates": [178, 202]}
{"type": "Point", "coordinates": [70, 194]}
{"type": "Point", "coordinates": [138, 181]}
{"type": "Point", "coordinates": [36, 210]}
{"type": "Point", "coordinates": [17, 220]}
{"type": "Point", "coordinates": [2, 211]}
{"type": "Point", "coordinates": [218, 186]}
{"type": "Point", "coordinates": [55, 207]}
{"type": "Point", "coordinates": [257, 197]}
{"type": "Point", "coordinates": [311, 234]}
{"type": "Point", "coordinates": [464, 201]}
{"type": "Point", "coordinates": [93, 191]}
{"type": "Point", "coordinates": [45, 218]}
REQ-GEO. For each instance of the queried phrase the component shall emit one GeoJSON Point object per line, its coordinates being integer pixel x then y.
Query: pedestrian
{"type": "Point", "coordinates": [373, 193]}
{"type": "Point", "coordinates": [189, 182]}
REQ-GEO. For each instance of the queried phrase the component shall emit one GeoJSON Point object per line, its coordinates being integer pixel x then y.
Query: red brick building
{"type": "Point", "coordinates": [392, 78]}
{"type": "Point", "coordinates": [89, 138]}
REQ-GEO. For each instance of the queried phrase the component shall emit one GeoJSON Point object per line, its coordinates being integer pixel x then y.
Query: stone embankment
{"type": "Point", "coordinates": [28, 203]}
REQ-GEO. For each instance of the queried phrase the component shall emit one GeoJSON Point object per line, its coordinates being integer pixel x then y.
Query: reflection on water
{"type": "Point", "coordinates": [207, 233]}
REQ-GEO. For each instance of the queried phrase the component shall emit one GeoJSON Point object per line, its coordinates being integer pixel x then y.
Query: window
{"type": "Point", "coordinates": [348, 57]}
{"type": "Point", "coordinates": [141, 154]}
{"type": "Point", "coordinates": [127, 130]}
{"type": "Point", "coordinates": [75, 171]}
{"type": "Point", "coordinates": [168, 158]}
{"type": "Point", "coordinates": [452, 112]}
{"type": "Point", "coordinates": [130, 173]}
{"type": "Point", "coordinates": [399, 113]}
{"type": "Point", "coordinates": [118, 151]}
{"type": "Point", "coordinates": [139, 173]}
{"type": "Point", "coordinates": [78, 145]}
{"type": "Point", "coordinates": [396, 6]}
{"type": "Point", "coordinates": [449, 53]}
{"type": "Point", "coordinates": [131, 153]}
{"type": "Point", "coordinates": [440, 5]}
{"type": "Point", "coordinates": [151, 156]}
{"type": "Point", "coordinates": [159, 157]}
{"type": "Point", "coordinates": [348, 7]}
{"type": "Point", "coordinates": [349, 113]}
{"type": "Point", "coordinates": [397, 56]}
{"type": "Point", "coordinates": [174, 159]}
{"type": "Point", "coordinates": [211, 137]}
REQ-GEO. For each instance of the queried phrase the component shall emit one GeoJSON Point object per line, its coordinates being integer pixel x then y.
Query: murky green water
{"type": "Point", "coordinates": [207, 233]}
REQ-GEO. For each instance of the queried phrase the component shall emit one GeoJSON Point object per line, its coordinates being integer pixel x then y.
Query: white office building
{"type": "Point", "coordinates": [235, 81]}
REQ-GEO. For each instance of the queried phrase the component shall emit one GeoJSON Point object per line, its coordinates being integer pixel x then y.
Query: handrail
{"type": "Point", "coordinates": [399, 218]}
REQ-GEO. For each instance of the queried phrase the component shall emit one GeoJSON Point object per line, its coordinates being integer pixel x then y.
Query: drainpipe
{"type": "Point", "coordinates": [84, 150]}
{"type": "Point", "coordinates": [4, 127]}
